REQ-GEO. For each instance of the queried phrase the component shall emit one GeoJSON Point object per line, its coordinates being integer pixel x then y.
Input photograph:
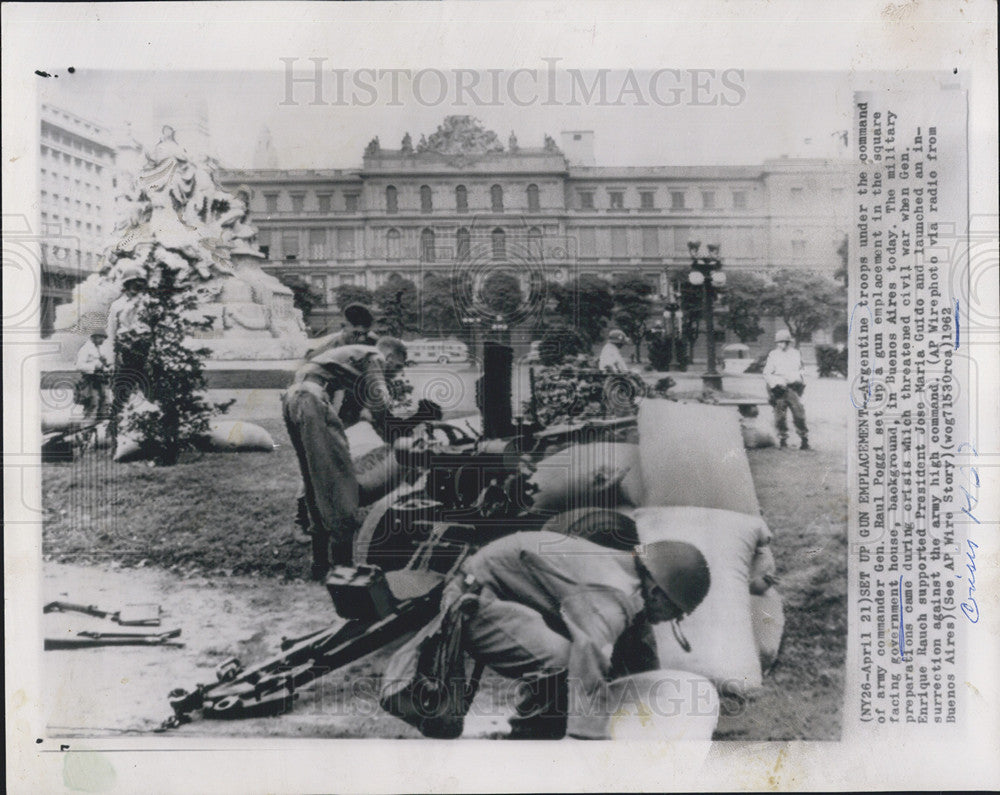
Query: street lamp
{"type": "Point", "coordinates": [472, 323]}
{"type": "Point", "coordinates": [707, 272]}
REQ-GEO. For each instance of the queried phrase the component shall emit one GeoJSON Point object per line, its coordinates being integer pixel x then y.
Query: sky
{"type": "Point", "coordinates": [639, 118]}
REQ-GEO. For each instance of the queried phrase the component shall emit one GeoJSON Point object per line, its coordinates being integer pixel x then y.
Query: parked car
{"type": "Point", "coordinates": [439, 351]}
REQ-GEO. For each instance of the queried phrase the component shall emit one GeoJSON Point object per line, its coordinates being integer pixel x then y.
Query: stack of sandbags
{"type": "Point", "coordinates": [721, 632]}
{"type": "Point", "coordinates": [224, 436]}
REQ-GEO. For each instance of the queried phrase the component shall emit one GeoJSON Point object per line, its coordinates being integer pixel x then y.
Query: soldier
{"type": "Point", "coordinates": [317, 434]}
{"type": "Point", "coordinates": [356, 331]}
{"type": "Point", "coordinates": [555, 611]}
{"type": "Point", "coordinates": [611, 354]}
{"type": "Point", "coordinates": [93, 363]}
{"type": "Point", "coordinates": [785, 384]}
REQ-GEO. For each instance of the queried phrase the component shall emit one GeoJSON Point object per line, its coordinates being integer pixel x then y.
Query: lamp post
{"type": "Point", "coordinates": [472, 322]}
{"type": "Point", "coordinates": [707, 272]}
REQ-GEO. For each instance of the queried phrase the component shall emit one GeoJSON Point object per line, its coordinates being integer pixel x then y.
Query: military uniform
{"type": "Point", "coordinates": [317, 434]}
{"type": "Point", "coordinates": [551, 602]}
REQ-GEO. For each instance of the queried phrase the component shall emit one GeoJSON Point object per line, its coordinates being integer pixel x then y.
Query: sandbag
{"type": "Point", "coordinates": [127, 448]}
{"type": "Point", "coordinates": [228, 436]}
{"type": "Point", "coordinates": [756, 436]}
{"type": "Point", "coordinates": [362, 438]}
{"type": "Point", "coordinates": [378, 472]}
{"type": "Point", "coordinates": [583, 475]}
{"type": "Point", "coordinates": [603, 526]}
{"type": "Point", "coordinates": [720, 630]}
{"type": "Point", "coordinates": [693, 454]}
{"type": "Point", "coordinates": [767, 614]}
{"type": "Point", "coordinates": [662, 705]}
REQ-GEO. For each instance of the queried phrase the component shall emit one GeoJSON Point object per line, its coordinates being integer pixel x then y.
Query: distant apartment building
{"type": "Point", "coordinates": [76, 202]}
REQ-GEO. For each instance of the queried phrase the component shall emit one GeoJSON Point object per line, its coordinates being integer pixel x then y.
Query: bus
{"type": "Point", "coordinates": [438, 351]}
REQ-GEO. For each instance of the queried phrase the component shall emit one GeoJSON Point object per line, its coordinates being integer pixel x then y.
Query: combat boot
{"type": "Point", "coordinates": [805, 444]}
{"type": "Point", "coordinates": [783, 443]}
{"type": "Point", "coordinates": [543, 706]}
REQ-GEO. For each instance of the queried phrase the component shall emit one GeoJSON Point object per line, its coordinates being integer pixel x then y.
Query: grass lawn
{"type": "Point", "coordinates": [228, 514]}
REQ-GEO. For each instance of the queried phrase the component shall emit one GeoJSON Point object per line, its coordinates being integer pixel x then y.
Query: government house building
{"type": "Point", "coordinates": [547, 212]}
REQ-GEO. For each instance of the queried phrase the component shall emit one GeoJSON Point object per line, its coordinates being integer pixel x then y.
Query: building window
{"type": "Point", "coordinates": [325, 202]}
{"type": "Point", "coordinates": [535, 242]}
{"type": "Point", "coordinates": [263, 241]}
{"type": "Point", "coordinates": [427, 245]}
{"type": "Point", "coordinates": [271, 202]}
{"type": "Point", "coordinates": [682, 235]}
{"type": "Point", "coordinates": [619, 242]}
{"type": "Point", "coordinates": [708, 199]}
{"type": "Point", "coordinates": [533, 203]}
{"type": "Point", "coordinates": [319, 285]}
{"type": "Point", "coordinates": [463, 243]}
{"type": "Point", "coordinates": [646, 200]}
{"type": "Point", "coordinates": [798, 248]}
{"type": "Point", "coordinates": [317, 244]}
{"type": "Point", "coordinates": [392, 244]}
{"type": "Point", "coordinates": [650, 241]}
{"type": "Point", "coordinates": [796, 193]}
{"type": "Point", "coordinates": [461, 199]}
{"type": "Point", "coordinates": [345, 244]}
{"type": "Point", "coordinates": [586, 199]}
{"type": "Point", "coordinates": [739, 199]}
{"type": "Point", "coordinates": [351, 202]}
{"type": "Point", "coordinates": [426, 199]}
{"type": "Point", "coordinates": [676, 200]}
{"type": "Point", "coordinates": [290, 244]}
{"type": "Point", "coordinates": [587, 238]}
{"type": "Point", "coordinates": [496, 198]}
{"type": "Point", "coordinates": [616, 200]}
{"type": "Point", "coordinates": [298, 202]}
{"type": "Point", "coordinates": [391, 200]}
{"type": "Point", "coordinates": [499, 244]}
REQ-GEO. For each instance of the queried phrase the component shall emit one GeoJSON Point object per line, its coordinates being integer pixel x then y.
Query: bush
{"type": "Point", "coordinates": [560, 343]}
{"type": "Point", "coordinates": [831, 361]}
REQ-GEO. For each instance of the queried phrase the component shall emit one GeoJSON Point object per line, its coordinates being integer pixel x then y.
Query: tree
{"type": "Point", "coordinates": [632, 303]}
{"type": "Point", "coordinates": [501, 293]}
{"type": "Point", "coordinates": [743, 295]}
{"type": "Point", "coordinates": [841, 273]}
{"type": "Point", "coordinates": [175, 413]}
{"type": "Point", "coordinates": [354, 294]}
{"type": "Point", "coordinates": [585, 303]}
{"type": "Point", "coordinates": [305, 297]}
{"type": "Point", "coordinates": [397, 300]}
{"type": "Point", "coordinates": [439, 307]}
{"type": "Point", "coordinates": [804, 301]}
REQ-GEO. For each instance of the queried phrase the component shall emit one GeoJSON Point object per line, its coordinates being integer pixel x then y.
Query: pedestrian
{"type": "Point", "coordinates": [785, 384]}
{"type": "Point", "coordinates": [129, 364]}
{"type": "Point", "coordinates": [93, 364]}
{"type": "Point", "coordinates": [557, 611]}
{"type": "Point", "coordinates": [317, 434]}
{"type": "Point", "coordinates": [611, 354]}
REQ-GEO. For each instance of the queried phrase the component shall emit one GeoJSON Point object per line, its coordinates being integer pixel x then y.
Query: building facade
{"type": "Point", "coordinates": [538, 212]}
{"type": "Point", "coordinates": [76, 182]}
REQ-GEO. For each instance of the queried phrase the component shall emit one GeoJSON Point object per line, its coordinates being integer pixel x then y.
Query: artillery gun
{"type": "Point", "coordinates": [460, 491]}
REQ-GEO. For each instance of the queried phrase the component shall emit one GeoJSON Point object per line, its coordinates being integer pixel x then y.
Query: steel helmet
{"type": "Point", "coordinates": [679, 569]}
{"type": "Point", "coordinates": [132, 272]}
{"type": "Point", "coordinates": [358, 315]}
{"type": "Point", "coordinates": [617, 336]}
{"type": "Point", "coordinates": [783, 336]}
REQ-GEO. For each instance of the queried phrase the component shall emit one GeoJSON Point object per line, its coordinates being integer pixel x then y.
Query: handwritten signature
{"type": "Point", "coordinates": [969, 606]}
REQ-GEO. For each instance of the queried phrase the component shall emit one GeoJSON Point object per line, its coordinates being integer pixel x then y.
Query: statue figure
{"type": "Point", "coordinates": [512, 146]}
{"type": "Point", "coordinates": [550, 144]}
{"type": "Point", "coordinates": [407, 145]}
{"type": "Point", "coordinates": [373, 147]}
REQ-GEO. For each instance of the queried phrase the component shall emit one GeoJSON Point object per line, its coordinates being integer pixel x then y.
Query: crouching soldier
{"type": "Point", "coordinates": [554, 611]}
{"type": "Point", "coordinates": [317, 434]}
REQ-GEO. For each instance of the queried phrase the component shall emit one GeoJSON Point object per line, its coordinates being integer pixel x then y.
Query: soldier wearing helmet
{"type": "Point", "coordinates": [785, 384]}
{"type": "Point", "coordinates": [555, 610]}
{"type": "Point", "coordinates": [611, 354]}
